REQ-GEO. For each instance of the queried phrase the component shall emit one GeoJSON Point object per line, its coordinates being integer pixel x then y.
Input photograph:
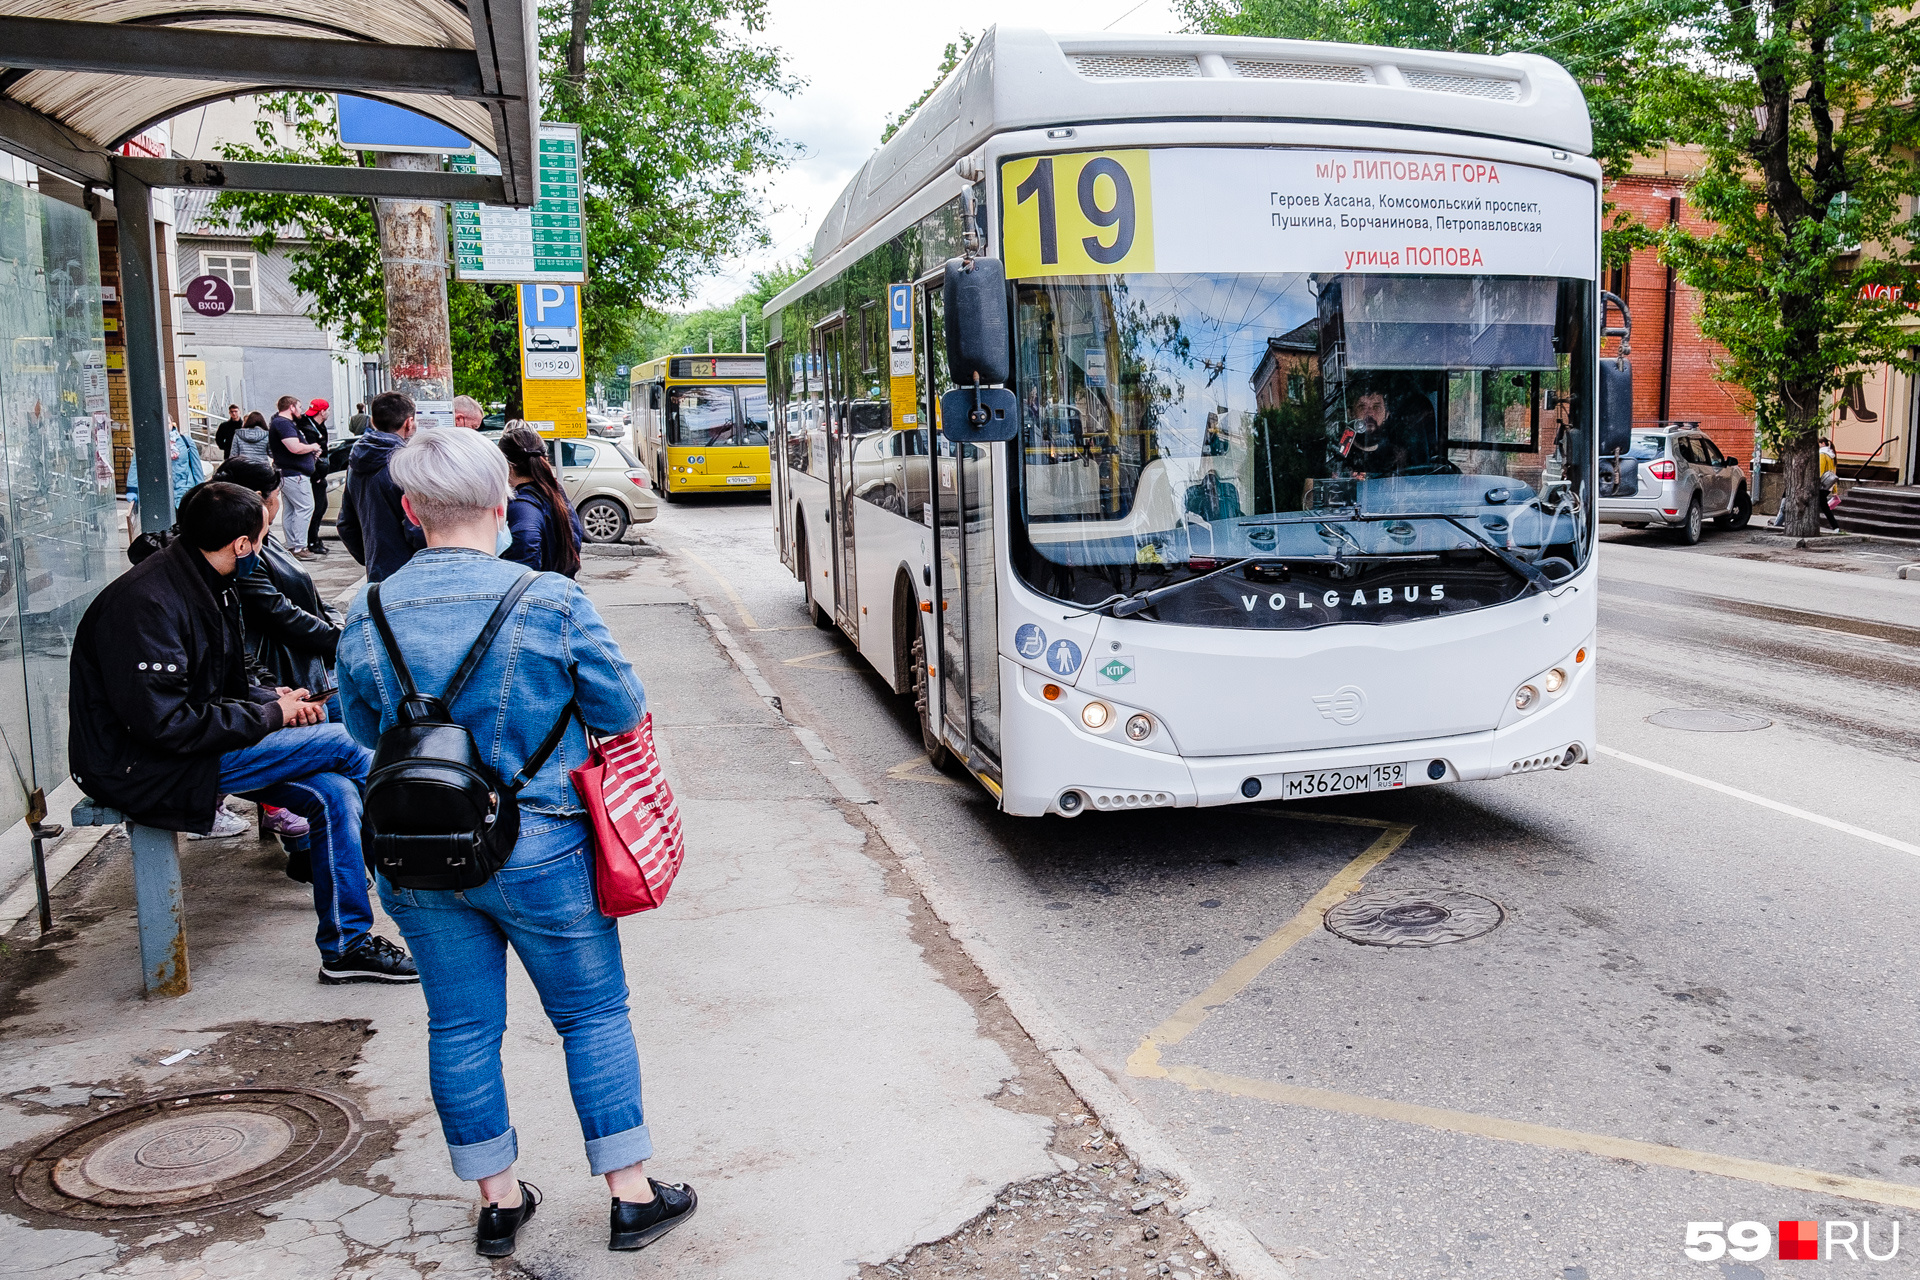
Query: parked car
{"type": "Point", "coordinates": [1673, 478]}
{"type": "Point", "coordinates": [602, 425]}
{"type": "Point", "coordinates": [607, 486]}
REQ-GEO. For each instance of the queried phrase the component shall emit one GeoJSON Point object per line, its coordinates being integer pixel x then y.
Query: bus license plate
{"type": "Point", "coordinates": [741, 479]}
{"type": "Point", "coordinates": [1339, 782]}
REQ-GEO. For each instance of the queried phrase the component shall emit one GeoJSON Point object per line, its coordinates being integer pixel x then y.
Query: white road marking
{"type": "Point", "coordinates": [1805, 816]}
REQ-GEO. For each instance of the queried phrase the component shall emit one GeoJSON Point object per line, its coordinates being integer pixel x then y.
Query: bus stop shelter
{"type": "Point", "coordinates": [75, 88]}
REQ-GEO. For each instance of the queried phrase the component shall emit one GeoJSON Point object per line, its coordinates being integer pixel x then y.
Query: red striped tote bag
{"type": "Point", "coordinates": [638, 843]}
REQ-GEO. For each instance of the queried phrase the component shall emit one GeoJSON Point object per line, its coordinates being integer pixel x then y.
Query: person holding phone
{"type": "Point", "coordinates": [291, 633]}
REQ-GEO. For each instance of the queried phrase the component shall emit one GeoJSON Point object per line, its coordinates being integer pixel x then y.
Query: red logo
{"type": "Point", "coordinates": [1799, 1242]}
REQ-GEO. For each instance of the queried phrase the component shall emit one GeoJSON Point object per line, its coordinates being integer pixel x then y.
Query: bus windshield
{"type": "Point", "coordinates": [710, 417]}
{"type": "Point", "coordinates": [1424, 435]}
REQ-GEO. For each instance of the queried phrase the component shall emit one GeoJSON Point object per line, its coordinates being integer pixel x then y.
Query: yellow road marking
{"type": "Point", "coordinates": [739, 604]}
{"type": "Point", "coordinates": [1540, 1135]}
{"type": "Point", "coordinates": [920, 769]}
{"type": "Point", "coordinates": [806, 659]}
{"type": "Point", "coordinates": [1308, 920]}
{"type": "Point", "coordinates": [1145, 1063]}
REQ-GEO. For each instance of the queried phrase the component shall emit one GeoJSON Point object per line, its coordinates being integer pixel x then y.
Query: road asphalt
{"type": "Point", "coordinates": [1692, 1008]}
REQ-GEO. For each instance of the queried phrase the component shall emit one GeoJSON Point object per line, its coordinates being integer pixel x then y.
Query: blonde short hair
{"type": "Point", "coordinates": [451, 477]}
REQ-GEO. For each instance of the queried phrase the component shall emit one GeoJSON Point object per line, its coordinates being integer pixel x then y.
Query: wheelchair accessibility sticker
{"type": "Point", "coordinates": [1029, 641]}
{"type": "Point", "coordinates": [1064, 657]}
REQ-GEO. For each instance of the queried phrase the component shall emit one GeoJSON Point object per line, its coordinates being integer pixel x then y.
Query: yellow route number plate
{"type": "Point", "coordinates": [1080, 214]}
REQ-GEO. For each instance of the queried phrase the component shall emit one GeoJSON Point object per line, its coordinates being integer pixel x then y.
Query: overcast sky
{"type": "Point", "coordinates": [864, 60]}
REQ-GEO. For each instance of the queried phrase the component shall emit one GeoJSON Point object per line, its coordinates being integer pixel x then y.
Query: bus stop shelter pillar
{"type": "Point", "coordinates": [140, 301]}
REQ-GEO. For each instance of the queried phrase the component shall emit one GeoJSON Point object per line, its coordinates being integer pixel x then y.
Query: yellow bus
{"type": "Point", "coordinates": [700, 423]}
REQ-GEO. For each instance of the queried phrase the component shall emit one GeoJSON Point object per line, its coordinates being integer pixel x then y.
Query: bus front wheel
{"type": "Point", "coordinates": [937, 753]}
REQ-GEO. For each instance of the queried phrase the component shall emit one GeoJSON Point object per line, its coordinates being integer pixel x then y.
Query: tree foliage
{"type": "Point", "coordinates": [670, 98]}
{"type": "Point", "coordinates": [1804, 111]}
{"type": "Point", "coordinates": [955, 51]}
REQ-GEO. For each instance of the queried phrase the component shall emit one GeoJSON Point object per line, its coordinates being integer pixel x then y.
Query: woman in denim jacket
{"type": "Point", "coordinates": [553, 649]}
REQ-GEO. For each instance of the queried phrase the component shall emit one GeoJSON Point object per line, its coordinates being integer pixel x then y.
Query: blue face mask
{"type": "Point", "coordinates": [244, 565]}
{"type": "Point", "coordinates": [502, 540]}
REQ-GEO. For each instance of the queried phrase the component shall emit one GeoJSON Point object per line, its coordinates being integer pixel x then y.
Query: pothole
{"type": "Point", "coordinates": [1708, 720]}
{"type": "Point", "coordinates": [189, 1153]}
{"type": "Point", "coordinates": [1414, 917]}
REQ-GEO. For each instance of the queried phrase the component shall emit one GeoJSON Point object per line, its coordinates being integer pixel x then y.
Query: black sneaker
{"type": "Point", "coordinates": [493, 1237]}
{"type": "Point", "coordinates": [374, 960]}
{"type": "Point", "coordinates": [636, 1225]}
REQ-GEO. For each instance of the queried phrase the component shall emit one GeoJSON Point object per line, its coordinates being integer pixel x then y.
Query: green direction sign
{"type": "Point", "coordinates": [546, 242]}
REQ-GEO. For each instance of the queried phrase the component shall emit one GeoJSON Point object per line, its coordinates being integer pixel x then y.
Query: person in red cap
{"type": "Point", "coordinates": [313, 428]}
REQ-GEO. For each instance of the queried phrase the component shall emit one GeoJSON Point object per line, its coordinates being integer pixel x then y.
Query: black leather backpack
{"type": "Point", "coordinates": [435, 815]}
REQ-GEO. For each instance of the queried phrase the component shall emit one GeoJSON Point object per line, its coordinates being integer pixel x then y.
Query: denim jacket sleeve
{"type": "Point", "coordinates": [605, 687]}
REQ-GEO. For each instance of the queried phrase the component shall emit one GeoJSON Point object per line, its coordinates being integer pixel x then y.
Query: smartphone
{"type": "Point", "coordinates": [320, 695]}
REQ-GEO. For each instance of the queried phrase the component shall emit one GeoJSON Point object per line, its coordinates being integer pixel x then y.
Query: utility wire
{"type": "Point", "coordinates": [1123, 17]}
{"type": "Point", "coordinates": [1628, 11]}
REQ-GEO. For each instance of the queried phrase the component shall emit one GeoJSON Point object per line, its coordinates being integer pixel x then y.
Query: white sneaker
{"type": "Point", "coordinates": [226, 824]}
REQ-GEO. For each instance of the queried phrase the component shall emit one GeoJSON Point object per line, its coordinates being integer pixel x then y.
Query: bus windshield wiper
{"type": "Point", "coordinates": [1119, 606]}
{"type": "Point", "coordinates": [1500, 553]}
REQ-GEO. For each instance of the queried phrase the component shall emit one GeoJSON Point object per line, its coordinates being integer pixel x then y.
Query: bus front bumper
{"type": "Point", "coordinates": [731, 482]}
{"type": "Point", "coordinates": [1107, 774]}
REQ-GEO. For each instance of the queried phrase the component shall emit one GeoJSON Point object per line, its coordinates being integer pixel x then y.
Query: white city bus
{"type": "Point", "coordinates": [1303, 339]}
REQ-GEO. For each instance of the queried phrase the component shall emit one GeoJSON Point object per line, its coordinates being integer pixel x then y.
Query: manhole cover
{"type": "Point", "coordinates": [189, 1153]}
{"type": "Point", "coordinates": [1414, 917]}
{"type": "Point", "coordinates": [1708, 720]}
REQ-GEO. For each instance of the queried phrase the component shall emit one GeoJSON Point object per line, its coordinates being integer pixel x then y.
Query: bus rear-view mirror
{"type": "Point", "coordinates": [979, 410]}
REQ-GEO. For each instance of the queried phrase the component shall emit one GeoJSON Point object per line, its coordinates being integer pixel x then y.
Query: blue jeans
{"type": "Point", "coordinates": [318, 771]}
{"type": "Point", "coordinates": [542, 904]}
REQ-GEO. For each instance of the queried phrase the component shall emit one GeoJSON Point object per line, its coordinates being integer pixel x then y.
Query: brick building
{"type": "Point", "coordinates": [1674, 366]}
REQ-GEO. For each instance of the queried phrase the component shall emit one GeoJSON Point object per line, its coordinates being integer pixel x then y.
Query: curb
{"type": "Point", "coordinates": [1237, 1248]}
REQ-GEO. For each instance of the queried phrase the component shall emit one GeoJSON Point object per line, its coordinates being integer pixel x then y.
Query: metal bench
{"type": "Point", "coordinates": [156, 890]}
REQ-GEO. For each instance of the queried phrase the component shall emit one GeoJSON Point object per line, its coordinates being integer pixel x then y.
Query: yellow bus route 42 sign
{"type": "Point", "coordinates": [1080, 214]}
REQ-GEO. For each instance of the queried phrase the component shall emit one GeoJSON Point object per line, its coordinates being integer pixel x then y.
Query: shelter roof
{"type": "Point", "coordinates": [103, 71]}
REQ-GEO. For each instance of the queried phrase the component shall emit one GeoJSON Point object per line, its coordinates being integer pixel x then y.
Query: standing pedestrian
{"type": "Point", "coordinates": [313, 427]}
{"type": "Point", "coordinates": [294, 455]}
{"type": "Point", "coordinates": [359, 422]}
{"type": "Point", "coordinates": [552, 663]}
{"type": "Point", "coordinates": [373, 526]}
{"type": "Point", "coordinates": [223, 435]}
{"type": "Point", "coordinates": [467, 413]}
{"type": "Point", "coordinates": [546, 529]}
{"type": "Point", "coordinates": [1829, 483]}
{"type": "Point", "coordinates": [184, 469]}
{"type": "Point", "coordinates": [252, 440]}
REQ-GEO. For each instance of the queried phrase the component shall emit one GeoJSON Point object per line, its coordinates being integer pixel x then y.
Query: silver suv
{"type": "Point", "coordinates": [1676, 478]}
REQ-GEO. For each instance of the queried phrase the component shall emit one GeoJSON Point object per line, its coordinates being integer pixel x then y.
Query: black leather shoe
{"type": "Point", "coordinates": [493, 1238]}
{"type": "Point", "coordinates": [637, 1225]}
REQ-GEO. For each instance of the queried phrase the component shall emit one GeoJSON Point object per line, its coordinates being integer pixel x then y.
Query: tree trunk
{"type": "Point", "coordinates": [577, 41]}
{"type": "Point", "coordinates": [1800, 462]}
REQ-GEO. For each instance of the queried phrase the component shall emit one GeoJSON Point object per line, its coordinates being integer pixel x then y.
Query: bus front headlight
{"type": "Point", "coordinates": [1095, 715]}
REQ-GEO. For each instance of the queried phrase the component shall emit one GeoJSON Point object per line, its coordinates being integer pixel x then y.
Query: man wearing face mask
{"type": "Point", "coordinates": [165, 720]}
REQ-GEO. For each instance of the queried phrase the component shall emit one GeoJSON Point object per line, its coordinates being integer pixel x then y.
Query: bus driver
{"type": "Point", "coordinates": [1392, 433]}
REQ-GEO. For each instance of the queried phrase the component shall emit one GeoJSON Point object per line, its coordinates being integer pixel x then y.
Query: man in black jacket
{"type": "Point", "coordinates": [372, 527]}
{"type": "Point", "coordinates": [165, 721]}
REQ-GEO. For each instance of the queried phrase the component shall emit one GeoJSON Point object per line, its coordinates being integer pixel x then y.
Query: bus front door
{"type": "Point", "coordinates": [964, 556]}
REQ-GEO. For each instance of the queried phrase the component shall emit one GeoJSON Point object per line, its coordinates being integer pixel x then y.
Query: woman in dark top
{"type": "Point", "coordinates": [546, 530]}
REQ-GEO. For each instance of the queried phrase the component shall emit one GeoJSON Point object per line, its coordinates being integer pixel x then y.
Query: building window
{"type": "Point", "coordinates": [237, 270]}
{"type": "Point", "coordinates": [1619, 279]}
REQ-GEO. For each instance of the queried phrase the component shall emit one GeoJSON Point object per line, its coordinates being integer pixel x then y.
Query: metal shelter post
{"type": "Point", "coordinates": [146, 375]}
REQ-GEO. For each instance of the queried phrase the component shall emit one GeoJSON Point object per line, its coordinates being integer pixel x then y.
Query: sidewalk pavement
{"type": "Point", "coordinates": [812, 1065]}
